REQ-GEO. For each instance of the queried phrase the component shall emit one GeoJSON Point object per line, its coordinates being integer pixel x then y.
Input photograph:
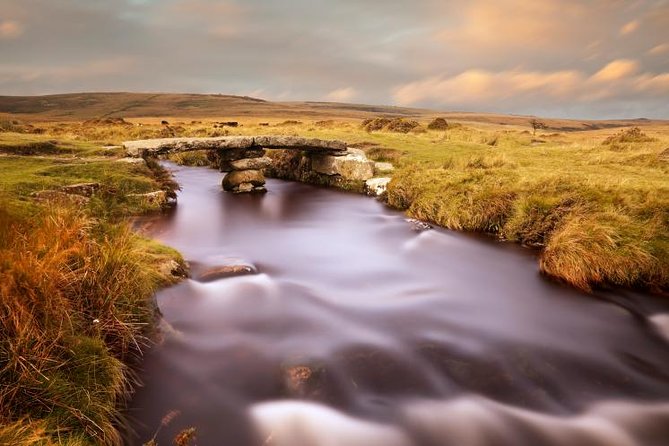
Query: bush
{"type": "Point", "coordinates": [631, 135]}
{"type": "Point", "coordinates": [397, 125]}
{"type": "Point", "coordinates": [438, 124]}
{"type": "Point", "coordinates": [400, 125]}
{"type": "Point", "coordinates": [376, 124]}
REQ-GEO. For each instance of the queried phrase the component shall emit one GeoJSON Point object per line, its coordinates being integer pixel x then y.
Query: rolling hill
{"type": "Point", "coordinates": [82, 106]}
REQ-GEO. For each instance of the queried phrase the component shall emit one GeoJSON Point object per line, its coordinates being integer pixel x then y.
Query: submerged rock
{"type": "Point", "coordinates": [417, 225]}
{"type": "Point", "coordinates": [225, 271]}
{"type": "Point", "coordinates": [303, 380]}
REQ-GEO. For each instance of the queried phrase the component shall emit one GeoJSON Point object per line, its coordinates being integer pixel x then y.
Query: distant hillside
{"type": "Point", "coordinates": [81, 106]}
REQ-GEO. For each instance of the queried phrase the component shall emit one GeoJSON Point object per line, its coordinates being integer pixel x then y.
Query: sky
{"type": "Point", "coordinates": [558, 58]}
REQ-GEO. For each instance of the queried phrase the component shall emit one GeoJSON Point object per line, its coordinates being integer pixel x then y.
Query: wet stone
{"type": "Point", "coordinates": [225, 271]}
{"type": "Point", "coordinates": [234, 179]}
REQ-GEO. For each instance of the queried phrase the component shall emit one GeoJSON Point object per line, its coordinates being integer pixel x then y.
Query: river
{"type": "Point", "coordinates": [359, 330]}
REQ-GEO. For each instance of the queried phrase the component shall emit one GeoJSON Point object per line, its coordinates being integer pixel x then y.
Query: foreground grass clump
{"type": "Point", "coordinates": [76, 309]}
{"type": "Point", "coordinates": [76, 287]}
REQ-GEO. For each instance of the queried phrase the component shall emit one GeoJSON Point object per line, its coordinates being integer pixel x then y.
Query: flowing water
{"type": "Point", "coordinates": [360, 331]}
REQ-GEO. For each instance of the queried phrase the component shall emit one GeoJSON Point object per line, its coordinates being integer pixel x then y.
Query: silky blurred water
{"type": "Point", "coordinates": [360, 331]}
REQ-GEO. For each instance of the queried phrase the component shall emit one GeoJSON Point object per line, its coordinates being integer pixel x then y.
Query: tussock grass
{"type": "Point", "coordinates": [438, 124]}
{"type": "Point", "coordinates": [76, 288]}
{"type": "Point", "coordinates": [76, 296]}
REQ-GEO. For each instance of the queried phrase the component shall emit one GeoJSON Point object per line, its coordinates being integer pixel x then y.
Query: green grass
{"type": "Point", "coordinates": [76, 286]}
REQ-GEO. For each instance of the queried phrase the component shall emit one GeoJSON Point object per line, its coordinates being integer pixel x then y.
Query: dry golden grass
{"type": "Point", "coordinates": [76, 297]}
{"type": "Point", "coordinates": [76, 287]}
{"type": "Point", "coordinates": [500, 179]}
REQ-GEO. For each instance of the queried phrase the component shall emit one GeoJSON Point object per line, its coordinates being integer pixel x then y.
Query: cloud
{"type": "Point", "coordinates": [618, 69]}
{"type": "Point", "coordinates": [10, 29]}
{"type": "Point", "coordinates": [224, 32]}
{"type": "Point", "coordinates": [65, 73]}
{"type": "Point", "coordinates": [209, 9]}
{"type": "Point", "coordinates": [659, 49]}
{"type": "Point", "coordinates": [481, 86]}
{"type": "Point", "coordinates": [342, 95]}
{"type": "Point", "coordinates": [515, 23]}
{"type": "Point", "coordinates": [629, 27]}
{"type": "Point", "coordinates": [618, 80]}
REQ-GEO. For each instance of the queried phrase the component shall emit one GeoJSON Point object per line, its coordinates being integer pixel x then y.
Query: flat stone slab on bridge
{"type": "Point", "coordinates": [152, 147]}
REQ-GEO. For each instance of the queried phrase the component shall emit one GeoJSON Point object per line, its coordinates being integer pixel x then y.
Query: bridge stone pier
{"type": "Point", "coordinates": [243, 157]}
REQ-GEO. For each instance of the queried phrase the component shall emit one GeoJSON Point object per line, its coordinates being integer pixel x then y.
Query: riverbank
{"type": "Point", "coordinates": [77, 286]}
{"type": "Point", "coordinates": [594, 203]}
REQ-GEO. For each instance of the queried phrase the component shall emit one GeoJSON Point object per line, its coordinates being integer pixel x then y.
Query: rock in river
{"type": "Point", "coordinates": [225, 271]}
{"type": "Point", "coordinates": [235, 178]}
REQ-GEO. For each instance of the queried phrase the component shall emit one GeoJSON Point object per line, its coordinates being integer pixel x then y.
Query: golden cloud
{"type": "Point", "coordinates": [516, 23]}
{"type": "Point", "coordinates": [617, 78]}
{"type": "Point", "coordinates": [629, 27]}
{"type": "Point", "coordinates": [659, 49]}
{"type": "Point", "coordinates": [342, 95]}
{"type": "Point", "coordinates": [10, 29]}
{"type": "Point", "coordinates": [618, 69]}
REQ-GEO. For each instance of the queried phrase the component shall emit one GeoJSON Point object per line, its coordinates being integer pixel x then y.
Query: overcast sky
{"type": "Point", "coordinates": [588, 58]}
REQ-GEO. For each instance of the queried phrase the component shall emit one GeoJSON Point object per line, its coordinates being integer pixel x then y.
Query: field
{"type": "Point", "coordinates": [591, 196]}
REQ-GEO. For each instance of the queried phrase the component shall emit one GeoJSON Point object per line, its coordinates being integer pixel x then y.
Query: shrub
{"type": "Point", "coordinates": [400, 125]}
{"type": "Point", "coordinates": [376, 124]}
{"type": "Point", "coordinates": [397, 125]}
{"type": "Point", "coordinates": [438, 124]}
{"type": "Point", "coordinates": [630, 135]}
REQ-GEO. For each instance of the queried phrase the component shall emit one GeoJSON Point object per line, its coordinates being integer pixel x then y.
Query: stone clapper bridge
{"type": "Point", "coordinates": [243, 157]}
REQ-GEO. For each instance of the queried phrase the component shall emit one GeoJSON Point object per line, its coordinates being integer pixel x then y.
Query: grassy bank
{"type": "Point", "coordinates": [76, 287]}
{"type": "Point", "coordinates": [595, 202]}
